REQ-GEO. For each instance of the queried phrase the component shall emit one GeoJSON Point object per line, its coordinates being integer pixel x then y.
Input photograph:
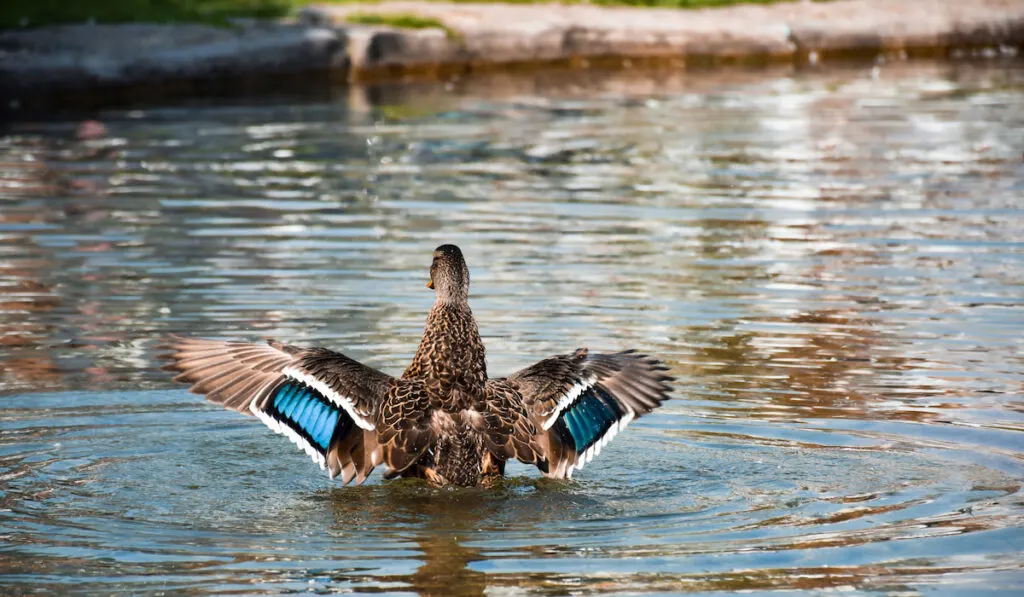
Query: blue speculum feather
{"type": "Point", "coordinates": [301, 414]}
{"type": "Point", "coordinates": [285, 399]}
{"type": "Point", "coordinates": [591, 416]}
{"type": "Point", "coordinates": [573, 422]}
{"type": "Point", "coordinates": [305, 411]}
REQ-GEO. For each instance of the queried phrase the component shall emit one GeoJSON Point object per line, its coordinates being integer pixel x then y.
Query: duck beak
{"type": "Point", "coordinates": [430, 283]}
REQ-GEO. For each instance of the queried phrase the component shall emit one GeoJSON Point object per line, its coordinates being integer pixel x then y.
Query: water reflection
{"type": "Point", "coordinates": [831, 263]}
{"type": "Point", "coordinates": [432, 523]}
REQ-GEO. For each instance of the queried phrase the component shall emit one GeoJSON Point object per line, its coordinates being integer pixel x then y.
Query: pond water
{"type": "Point", "coordinates": [831, 263]}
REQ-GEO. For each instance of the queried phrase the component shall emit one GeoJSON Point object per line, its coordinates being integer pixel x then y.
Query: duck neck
{"type": "Point", "coordinates": [454, 295]}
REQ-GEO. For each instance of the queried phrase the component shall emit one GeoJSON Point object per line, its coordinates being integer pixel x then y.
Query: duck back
{"type": "Point", "coordinates": [451, 352]}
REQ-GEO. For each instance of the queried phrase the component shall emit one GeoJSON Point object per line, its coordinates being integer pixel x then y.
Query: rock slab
{"type": "Point", "coordinates": [480, 34]}
{"type": "Point", "coordinates": [75, 57]}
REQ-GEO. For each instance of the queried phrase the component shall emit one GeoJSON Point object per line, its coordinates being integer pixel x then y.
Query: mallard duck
{"type": "Point", "coordinates": [443, 420]}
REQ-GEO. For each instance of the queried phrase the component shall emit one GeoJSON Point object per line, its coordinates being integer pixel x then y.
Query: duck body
{"type": "Point", "coordinates": [443, 419]}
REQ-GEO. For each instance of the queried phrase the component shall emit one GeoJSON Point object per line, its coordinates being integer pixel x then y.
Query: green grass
{"type": "Point", "coordinates": [399, 20]}
{"type": "Point", "coordinates": [35, 13]}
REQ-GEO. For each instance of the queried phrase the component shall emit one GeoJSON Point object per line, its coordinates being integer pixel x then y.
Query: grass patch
{"type": "Point", "coordinates": [36, 13]}
{"type": "Point", "coordinates": [397, 20]}
{"type": "Point", "coordinates": [400, 20]}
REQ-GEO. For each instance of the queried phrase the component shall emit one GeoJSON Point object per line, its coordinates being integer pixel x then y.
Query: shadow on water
{"type": "Point", "coordinates": [831, 264]}
{"type": "Point", "coordinates": [439, 523]}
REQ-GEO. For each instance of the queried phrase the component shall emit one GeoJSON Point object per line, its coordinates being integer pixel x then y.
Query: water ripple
{"type": "Point", "coordinates": [831, 264]}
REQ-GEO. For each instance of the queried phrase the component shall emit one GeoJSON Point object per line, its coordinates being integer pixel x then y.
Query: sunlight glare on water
{"type": "Point", "coordinates": [832, 264]}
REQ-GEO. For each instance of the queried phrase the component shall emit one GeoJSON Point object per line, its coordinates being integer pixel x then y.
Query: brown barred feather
{"type": "Point", "coordinates": [506, 427]}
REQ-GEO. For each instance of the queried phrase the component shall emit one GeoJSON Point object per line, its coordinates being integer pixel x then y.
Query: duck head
{"type": "Point", "coordinates": [449, 275]}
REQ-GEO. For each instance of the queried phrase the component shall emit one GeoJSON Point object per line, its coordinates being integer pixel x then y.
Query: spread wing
{"type": "Point", "coordinates": [325, 402]}
{"type": "Point", "coordinates": [579, 402]}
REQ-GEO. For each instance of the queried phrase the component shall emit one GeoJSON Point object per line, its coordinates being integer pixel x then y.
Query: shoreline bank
{"type": "Point", "coordinates": [53, 66]}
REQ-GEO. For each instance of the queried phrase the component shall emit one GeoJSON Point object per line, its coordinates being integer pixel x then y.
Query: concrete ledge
{"type": "Point", "coordinates": [913, 25]}
{"type": "Point", "coordinates": [51, 61]}
{"type": "Point", "coordinates": [516, 34]}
